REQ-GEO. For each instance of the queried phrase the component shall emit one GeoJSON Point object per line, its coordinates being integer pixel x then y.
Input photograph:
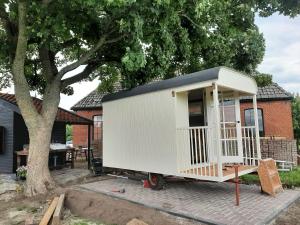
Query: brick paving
{"type": "Point", "coordinates": [207, 202]}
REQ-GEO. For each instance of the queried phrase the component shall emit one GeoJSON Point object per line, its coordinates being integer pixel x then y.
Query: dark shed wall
{"type": "Point", "coordinates": [59, 133]}
{"type": "Point", "coordinates": [6, 120]}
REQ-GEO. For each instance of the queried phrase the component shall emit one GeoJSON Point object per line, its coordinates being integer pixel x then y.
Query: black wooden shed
{"type": "Point", "coordinates": [14, 133]}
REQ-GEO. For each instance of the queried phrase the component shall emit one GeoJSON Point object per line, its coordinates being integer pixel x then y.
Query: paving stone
{"type": "Point", "coordinates": [204, 201]}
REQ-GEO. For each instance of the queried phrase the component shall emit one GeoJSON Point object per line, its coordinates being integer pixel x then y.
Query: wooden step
{"type": "Point", "coordinates": [269, 177]}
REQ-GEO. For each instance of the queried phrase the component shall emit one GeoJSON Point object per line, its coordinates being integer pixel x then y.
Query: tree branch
{"type": "Point", "coordinates": [80, 76]}
{"type": "Point", "coordinates": [48, 63]}
{"type": "Point", "coordinates": [83, 59]}
{"type": "Point", "coordinates": [22, 90]}
{"type": "Point", "coordinates": [115, 39]}
{"type": "Point", "coordinates": [191, 20]}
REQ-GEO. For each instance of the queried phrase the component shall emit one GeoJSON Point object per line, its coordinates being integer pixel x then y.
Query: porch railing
{"type": "Point", "coordinates": [198, 154]}
{"type": "Point", "coordinates": [195, 152]}
{"type": "Point", "coordinates": [249, 146]}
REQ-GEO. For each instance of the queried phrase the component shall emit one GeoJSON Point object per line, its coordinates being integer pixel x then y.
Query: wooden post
{"type": "Point", "coordinates": [217, 128]}
{"type": "Point", "coordinates": [237, 185]}
{"type": "Point", "coordinates": [47, 216]}
{"type": "Point", "coordinates": [89, 146]}
{"type": "Point", "coordinates": [56, 220]}
{"type": "Point", "coordinates": [257, 138]}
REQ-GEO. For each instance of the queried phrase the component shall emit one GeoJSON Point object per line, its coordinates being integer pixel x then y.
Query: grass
{"type": "Point", "coordinates": [289, 179]}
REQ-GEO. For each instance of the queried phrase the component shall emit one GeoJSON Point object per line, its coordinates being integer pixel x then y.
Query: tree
{"type": "Point", "coordinates": [296, 117]}
{"type": "Point", "coordinates": [69, 132]}
{"type": "Point", "coordinates": [43, 40]}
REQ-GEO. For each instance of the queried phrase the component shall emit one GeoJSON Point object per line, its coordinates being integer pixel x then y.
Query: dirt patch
{"type": "Point", "coordinates": [110, 210]}
{"type": "Point", "coordinates": [289, 217]}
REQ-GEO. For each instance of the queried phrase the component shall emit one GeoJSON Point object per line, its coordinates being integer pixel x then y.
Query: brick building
{"type": "Point", "coordinates": [275, 112]}
{"type": "Point", "coordinates": [275, 121]}
{"type": "Point", "coordinates": [89, 107]}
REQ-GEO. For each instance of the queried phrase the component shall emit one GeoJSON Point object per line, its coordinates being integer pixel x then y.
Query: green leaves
{"type": "Point", "coordinates": [145, 39]}
{"type": "Point", "coordinates": [134, 59]}
{"type": "Point", "coordinates": [296, 116]}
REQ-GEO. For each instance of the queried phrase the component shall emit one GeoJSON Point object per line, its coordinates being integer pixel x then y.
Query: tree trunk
{"type": "Point", "coordinates": [39, 180]}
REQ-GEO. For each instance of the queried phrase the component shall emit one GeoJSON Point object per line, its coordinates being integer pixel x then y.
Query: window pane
{"type": "Point", "coordinates": [249, 119]}
{"type": "Point", "coordinates": [97, 121]}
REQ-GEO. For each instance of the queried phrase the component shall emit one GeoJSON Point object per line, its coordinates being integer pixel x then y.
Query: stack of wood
{"type": "Point", "coordinates": [54, 212]}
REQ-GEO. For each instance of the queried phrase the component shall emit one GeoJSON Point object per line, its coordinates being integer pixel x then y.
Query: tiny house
{"type": "Point", "coordinates": [187, 126]}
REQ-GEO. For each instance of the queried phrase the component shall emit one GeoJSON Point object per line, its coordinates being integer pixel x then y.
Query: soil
{"type": "Point", "coordinates": [85, 209]}
{"type": "Point", "coordinates": [110, 210]}
{"type": "Point", "coordinates": [97, 209]}
{"type": "Point", "coordinates": [291, 216]}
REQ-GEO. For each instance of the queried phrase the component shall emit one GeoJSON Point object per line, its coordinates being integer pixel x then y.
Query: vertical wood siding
{"type": "Point", "coordinates": [6, 120]}
{"type": "Point", "coordinates": [16, 135]}
{"type": "Point", "coordinates": [140, 133]}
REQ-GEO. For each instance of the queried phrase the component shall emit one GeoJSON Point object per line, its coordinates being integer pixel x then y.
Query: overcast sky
{"type": "Point", "coordinates": [282, 57]}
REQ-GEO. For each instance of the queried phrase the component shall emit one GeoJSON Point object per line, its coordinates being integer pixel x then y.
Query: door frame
{"type": "Point", "coordinates": [238, 128]}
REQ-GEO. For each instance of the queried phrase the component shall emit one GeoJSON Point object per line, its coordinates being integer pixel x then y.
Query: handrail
{"type": "Point", "coordinates": [189, 128]}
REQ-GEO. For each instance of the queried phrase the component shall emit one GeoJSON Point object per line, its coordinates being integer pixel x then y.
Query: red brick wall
{"type": "Point", "coordinates": [80, 132]}
{"type": "Point", "coordinates": [277, 116]}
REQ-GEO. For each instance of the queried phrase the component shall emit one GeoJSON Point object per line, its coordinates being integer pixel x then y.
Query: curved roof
{"type": "Point", "coordinates": [62, 114]}
{"type": "Point", "coordinates": [183, 80]}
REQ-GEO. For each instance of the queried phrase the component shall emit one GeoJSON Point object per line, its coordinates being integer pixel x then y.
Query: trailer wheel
{"type": "Point", "coordinates": [156, 181]}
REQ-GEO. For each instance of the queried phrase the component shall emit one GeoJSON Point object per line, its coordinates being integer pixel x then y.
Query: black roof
{"type": "Point", "coordinates": [95, 98]}
{"type": "Point", "coordinates": [204, 75]}
{"type": "Point", "coordinates": [91, 101]}
{"type": "Point", "coordinates": [269, 93]}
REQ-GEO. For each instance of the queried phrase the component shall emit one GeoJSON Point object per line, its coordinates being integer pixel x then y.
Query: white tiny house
{"type": "Point", "coordinates": [187, 126]}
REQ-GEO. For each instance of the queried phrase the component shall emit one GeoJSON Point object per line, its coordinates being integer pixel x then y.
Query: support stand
{"type": "Point", "coordinates": [237, 185]}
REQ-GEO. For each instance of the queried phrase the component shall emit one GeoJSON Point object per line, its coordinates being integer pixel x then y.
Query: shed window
{"type": "Point", "coordinates": [249, 120]}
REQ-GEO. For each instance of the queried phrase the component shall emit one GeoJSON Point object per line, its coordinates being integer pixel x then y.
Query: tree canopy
{"type": "Point", "coordinates": [296, 117]}
{"type": "Point", "coordinates": [138, 39]}
{"type": "Point", "coordinates": [143, 39]}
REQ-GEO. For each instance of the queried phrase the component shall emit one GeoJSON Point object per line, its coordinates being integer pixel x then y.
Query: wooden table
{"type": "Point", "coordinates": [68, 155]}
{"type": "Point", "coordinates": [20, 154]}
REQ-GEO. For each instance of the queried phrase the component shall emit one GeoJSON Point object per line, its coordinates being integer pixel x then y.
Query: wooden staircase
{"type": "Point", "coordinates": [269, 177]}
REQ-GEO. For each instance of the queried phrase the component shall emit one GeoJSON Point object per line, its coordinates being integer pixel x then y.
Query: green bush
{"type": "Point", "coordinates": [289, 179]}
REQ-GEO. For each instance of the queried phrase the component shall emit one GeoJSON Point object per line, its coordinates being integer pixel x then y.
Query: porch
{"type": "Point", "coordinates": [211, 140]}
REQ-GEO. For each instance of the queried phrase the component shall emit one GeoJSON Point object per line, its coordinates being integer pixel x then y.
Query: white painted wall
{"type": "Point", "coordinates": [139, 133]}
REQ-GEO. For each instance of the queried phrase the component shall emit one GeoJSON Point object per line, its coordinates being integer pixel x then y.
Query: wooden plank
{"type": "Point", "coordinates": [58, 211]}
{"type": "Point", "coordinates": [47, 216]}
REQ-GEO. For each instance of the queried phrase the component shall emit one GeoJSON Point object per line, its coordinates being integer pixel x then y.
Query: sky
{"type": "Point", "coordinates": [282, 57]}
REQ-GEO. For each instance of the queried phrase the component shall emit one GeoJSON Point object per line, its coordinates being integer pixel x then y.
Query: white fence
{"type": "Point", "coordinates": [197, 152]}
{"type": "Point", "coordinates": [249, 146]}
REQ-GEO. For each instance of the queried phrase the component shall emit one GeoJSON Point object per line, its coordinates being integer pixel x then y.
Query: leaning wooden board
{"type": "Point", "coordinates": [47, 216]}
{"type": "Point", "coordinates": [58, 211]}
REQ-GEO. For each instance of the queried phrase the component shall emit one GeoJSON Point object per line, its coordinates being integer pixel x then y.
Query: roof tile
{"type": "Point", "coordinates": [62, 114]}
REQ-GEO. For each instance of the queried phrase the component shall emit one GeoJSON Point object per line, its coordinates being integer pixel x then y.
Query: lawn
{"type": "Point", "coordinates": [289, 179]}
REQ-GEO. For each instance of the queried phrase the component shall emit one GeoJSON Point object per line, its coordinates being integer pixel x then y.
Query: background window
{"type": "Point", "coordinates": [97, 121]}
{"type": "Point", "coordinates": [249, 120]}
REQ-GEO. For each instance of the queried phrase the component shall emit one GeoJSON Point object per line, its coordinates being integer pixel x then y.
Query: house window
{"type": "Point", "coordinates": [98, 121]}
{"type": "Point", "coordinates": [249, 120]}
{"type": "Point", "coordinates": [97, 127]}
